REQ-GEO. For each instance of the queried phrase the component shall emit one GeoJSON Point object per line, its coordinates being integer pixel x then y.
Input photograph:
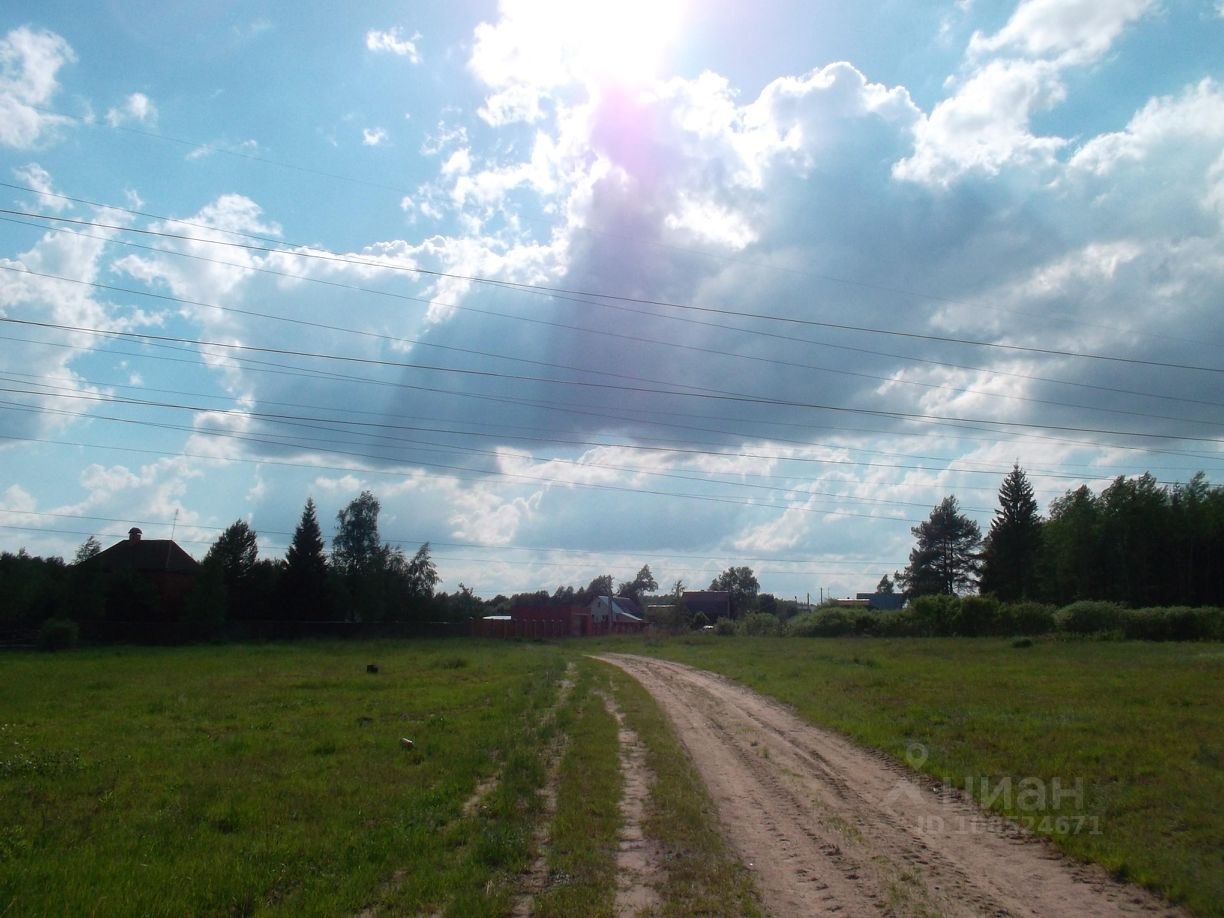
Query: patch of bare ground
{"type": "Point", "coordinates": [828, 827]}
{"type": "Point", "coordinates": [637, 857]}
{"type": "Point", "coordinates": [535, 879]}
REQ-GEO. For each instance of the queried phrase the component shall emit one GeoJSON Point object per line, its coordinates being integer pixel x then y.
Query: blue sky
{"type": "Point", "coordinates": [579, 287]}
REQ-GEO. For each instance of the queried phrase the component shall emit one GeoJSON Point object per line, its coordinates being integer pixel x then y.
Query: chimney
{"type": "Point", "coordinates": [133, 534]}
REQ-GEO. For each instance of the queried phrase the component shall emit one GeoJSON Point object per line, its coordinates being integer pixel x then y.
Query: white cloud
{"type": "Point", "coordinates": [373, 137]}
{"type": "Point", "coordinates": [136, 109]}
{"type": "Point", "coordinates": [39, 179]}
{"type": "Point", "coordinates": [30, 59]}
{"type": "Point", "coordinates": [245, 147]}
{"type": "Point", "coordinates": [985, 125]}
{"type": "Point", "coordinates": [1074, 32]}
{"type": "Point", "coordinates": [1196, 115]}
{"type": "Point", "coordinates": [393, 41]}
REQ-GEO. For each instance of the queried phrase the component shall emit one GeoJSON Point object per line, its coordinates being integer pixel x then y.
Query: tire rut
{"type": "Point", "coordinates": [830, 828]}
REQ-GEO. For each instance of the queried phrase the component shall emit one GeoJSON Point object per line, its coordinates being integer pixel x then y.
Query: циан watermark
{"type": "Point", "coordinates": [1051, 806]}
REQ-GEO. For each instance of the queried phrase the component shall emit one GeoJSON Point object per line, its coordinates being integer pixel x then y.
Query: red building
{"type": "Point", "coordinates": [151, 577]}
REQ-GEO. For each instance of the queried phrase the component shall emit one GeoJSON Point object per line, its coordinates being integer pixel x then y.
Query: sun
{"type": "Point", "coordinates": [613, 41]}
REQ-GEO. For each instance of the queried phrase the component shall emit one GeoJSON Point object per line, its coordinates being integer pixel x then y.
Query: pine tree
{"type": "Point", "coordinates": [1013, 546]}
{"type": "Point", "coordinates": [945, 559]}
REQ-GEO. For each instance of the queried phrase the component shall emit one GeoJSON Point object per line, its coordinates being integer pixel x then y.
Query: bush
{"type": "Point", "coordinates": [1089, 616]}
{"type": "Point", "coordinates": [979, 615]}
{"type": "Point", "coordinates": [936, 613]}
{"type": "Point", "coordinates": [725, 627]}
{"type": "Point", "coordinates": [58, 634]}
{"type": "Point", "coordinates": [823, 623]}
{"type": "Point", "coordinates": [1176, 623]}
{"type": "Point", "coordinates": [1025, 618]}
{"type": "Point", "coordinates": [898, 624]}
{"type": "Point", "coordinates": [700, 620]}
{"type": "Point", "coordinates": [759, 624]}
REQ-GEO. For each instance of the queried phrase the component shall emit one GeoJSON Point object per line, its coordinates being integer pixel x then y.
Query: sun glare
{"type": "Point", "coordinates": [620, 41]}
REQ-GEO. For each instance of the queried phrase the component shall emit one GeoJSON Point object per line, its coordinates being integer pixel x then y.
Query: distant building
{"type": "Point", "coordinates": [883, 601]}
{"type": "Point", "coordinates": [714, 604]}
{"type": "Point", "coordinates": [147, 578]}
{"type": "Point", "coordinates": [615, 610]}
{"type": "Point", "coordinates": [859, 603]}
{"type": "Point", "coordinates": [605, 615]}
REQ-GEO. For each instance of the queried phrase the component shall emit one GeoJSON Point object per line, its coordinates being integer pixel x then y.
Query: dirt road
{"type": "Point", "coordinates": [828, 827]}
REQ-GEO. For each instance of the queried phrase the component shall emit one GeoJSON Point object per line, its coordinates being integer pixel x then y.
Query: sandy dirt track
{"type": "Point", "coordinates": [830, 828]}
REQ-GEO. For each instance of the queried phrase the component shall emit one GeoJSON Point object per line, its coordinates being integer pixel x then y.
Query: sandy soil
{"type": "Point", "coordinates": [638, 859]}
{"type": "Point", "coordinates": [828, 827]}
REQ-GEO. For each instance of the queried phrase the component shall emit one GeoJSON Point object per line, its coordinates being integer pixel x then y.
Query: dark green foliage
{"type": "Point", "coordinates": [90, 548]}
{"type": "Point", "coordinates": [643, 583]}
{"type": "Point", "coordinates": [207, 602]}
{"type": "Point", "coordinates": [759, 624]}
{"type": "Point", "coordinates": [31, 589]}
{"type": "Point", "coordinates": [700, 620]}
{"type": "Point", "coordinates": [1137, 543]}
{"type": "Point", "coordinates": [234, 555]}
{"type": "Point", "coordinates": [724, 627]}
{"type": "Point", "coordinates": [935, 614]}
{"type": "Point", "coordinates": [1012, 547]}
{"type": "Point", "coordinates": [1178, 623]}
{"type": "Point", "coordinates": [742, 584]}
{"type": "Point", "coordinates": [356, 546]}
{"type": "Point", "coordinates": [822, 623]}
{"type": "Point", "coordinates": [1090, 617]}
{"type": "Point", "coordinates": [58, 634]}
{"type": "Point", "coordinates": [377, 582]}
{"type": "Point", "coordinates": [304, 591]}
{"type": "Point", "coordinates": [978, 615]}
{"type": "Point", "coordinates": [945, 558]}
{"type": "Point", "coordinates": [1025, 618]}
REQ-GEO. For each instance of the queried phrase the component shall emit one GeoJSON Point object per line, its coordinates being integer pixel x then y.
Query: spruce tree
{"type": "Point", "coordinates": [304, 587]}
{"type": "Point", "coordinates": [1013, 545]}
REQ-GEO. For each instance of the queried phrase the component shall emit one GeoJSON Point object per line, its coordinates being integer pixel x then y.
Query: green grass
{"type": "Point", "coordinates": [269, 778]}
{"type": "Point", "coordinates": [1141, 725]}
{"type": "Point", "coordinates": [581, 854]}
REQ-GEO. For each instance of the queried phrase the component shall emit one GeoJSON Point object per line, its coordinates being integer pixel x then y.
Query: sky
{"type": "Point", "coordinates": [579, 287]}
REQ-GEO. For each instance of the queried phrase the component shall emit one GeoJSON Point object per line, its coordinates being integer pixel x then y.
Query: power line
{"type": "Point", "coordinates": [644, 390]}
{"type": "Point", "coordinates": [598, 298]}
{"type": "Point", "coordinates": [586, 369]}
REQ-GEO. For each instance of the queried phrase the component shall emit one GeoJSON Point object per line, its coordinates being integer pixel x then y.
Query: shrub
{"type": "Point", "coordinates": [1176, 623]}
{"type": "Point", "coordinates": [936, 613]}
{"type": "Point", "coordinates": [1025, 618]}
{"type": "Point", "coordinates": [822, 623]}
{"type": "Point", "coordinates": [725, 627]}
{"type": "Point", "coordinates": [867, 623]}
{"type": "Point", "coordinates": [58, 634]}
{"type": "Point", "coordinates": [897, 624]}
{"type": "Point", "coordinates": [700, 620]}
{"type": "Point", "coordinates": [759, 624]}
{"type": "Point", "coordinates": [1089, 616]}
{"type": "Point", "coordinates": [978, 615]}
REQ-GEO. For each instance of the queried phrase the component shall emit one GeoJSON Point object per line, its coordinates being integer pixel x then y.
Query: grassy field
{"type": "Point", "coordinates": [1141, 725]}
{"type": "Point", "coordinates": [240, 778]}
{"type": "Point", "coordinates": [272, 779]}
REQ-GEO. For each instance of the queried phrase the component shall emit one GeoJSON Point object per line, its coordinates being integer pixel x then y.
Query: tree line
{"type": "Point", "coordinates": [1137, 543]}
{"type": "Point", "coordinates": [362, 579]}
